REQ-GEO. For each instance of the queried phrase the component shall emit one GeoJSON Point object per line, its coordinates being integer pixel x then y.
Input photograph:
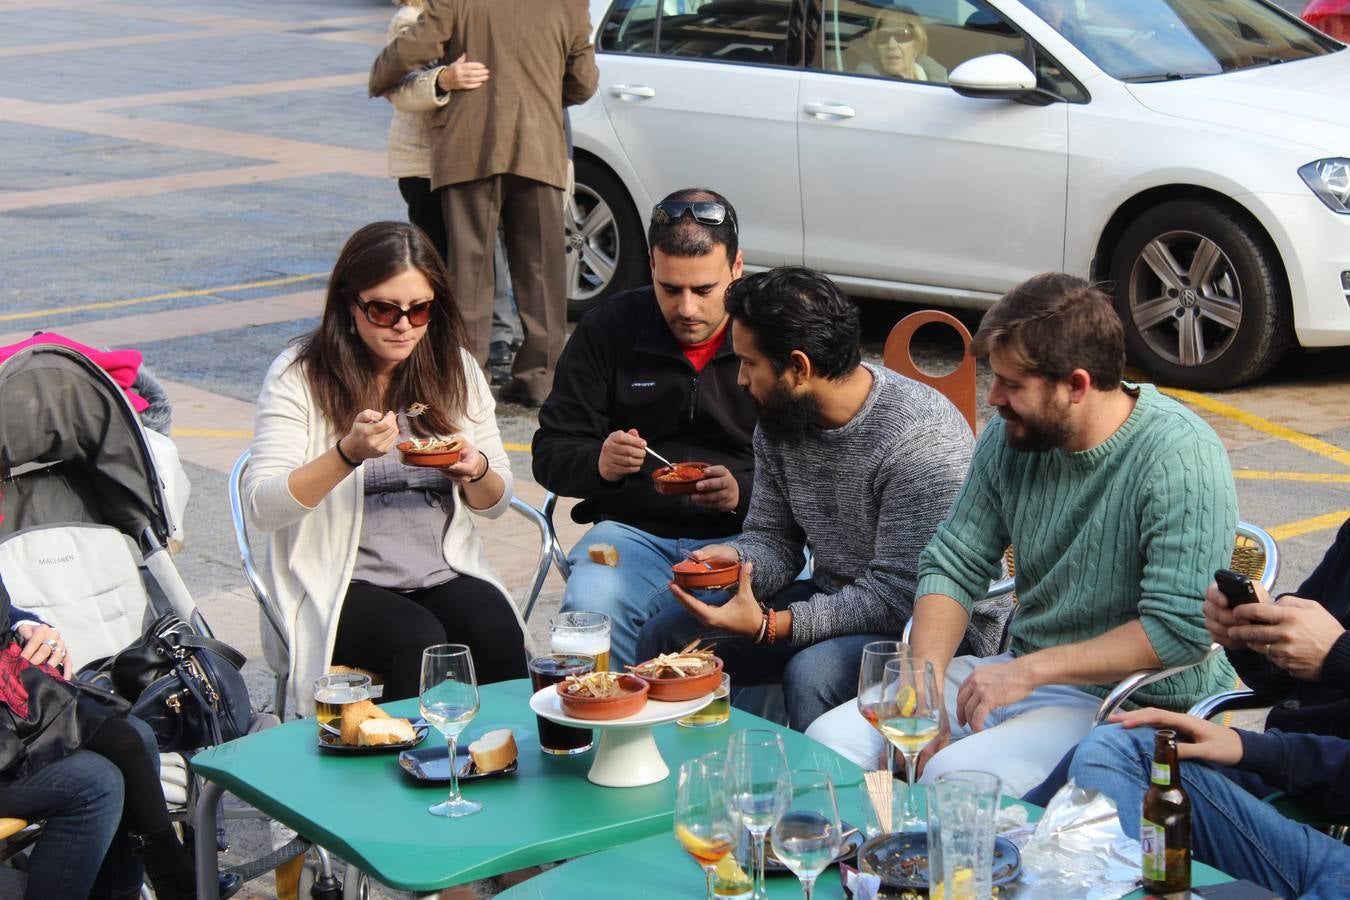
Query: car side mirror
{"type": "Point", "coordinates": [996, 76]}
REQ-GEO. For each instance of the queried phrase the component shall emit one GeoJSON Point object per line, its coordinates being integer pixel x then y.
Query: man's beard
{"type": "Point", "coordinates": [1049, 430]}
{"type": "Point", "coordinates": [787, 417]}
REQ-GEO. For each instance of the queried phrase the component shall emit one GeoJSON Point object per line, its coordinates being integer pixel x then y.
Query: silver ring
{"type": "Point", "coordinates": [51, 643]}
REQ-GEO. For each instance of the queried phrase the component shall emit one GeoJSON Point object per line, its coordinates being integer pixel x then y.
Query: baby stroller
{"type": "Point", "coordinates": [84, 523]}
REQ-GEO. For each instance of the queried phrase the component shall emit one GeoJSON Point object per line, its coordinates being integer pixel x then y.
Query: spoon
{"type": "Point", "coordinates": [660, 457]}
{"type": "Point", "coordinates": [689, 556]}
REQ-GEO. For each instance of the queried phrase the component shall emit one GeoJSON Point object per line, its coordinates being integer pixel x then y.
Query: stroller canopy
{"type": "Point", "coordinates": [72, 449]}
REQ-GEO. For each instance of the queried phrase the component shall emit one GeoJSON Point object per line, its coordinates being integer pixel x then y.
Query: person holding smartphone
{"type": "Point", "coordinates": [1294, 652]}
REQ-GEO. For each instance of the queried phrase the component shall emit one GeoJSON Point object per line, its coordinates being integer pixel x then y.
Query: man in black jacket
{"type": "Point", "coordinates": [1295, 654]}
{"type": "Point", "coordinates": [655, 364]}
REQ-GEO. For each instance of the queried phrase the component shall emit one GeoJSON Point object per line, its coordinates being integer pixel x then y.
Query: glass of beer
{"type": "Point", "coordinates": [718, 712]}
{"type": "Point", "coordinates": [549, 669]}
{"type": "Point", "coordinates": [581, 632]}
{"type": "Point", "coordinates": [334, 691]}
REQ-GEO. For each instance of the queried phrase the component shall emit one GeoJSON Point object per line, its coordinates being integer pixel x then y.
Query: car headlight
{"type": "Point", "coordinates": [1330, 181]}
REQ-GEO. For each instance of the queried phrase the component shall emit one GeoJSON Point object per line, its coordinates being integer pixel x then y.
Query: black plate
{"type": "Point", "coordinates": [851, 845]}
{"type": "Point", "coordinates": [901, 860]}
{"type": "Point", "coordinates": [429, 765]}
{"type": "Point", "coordinates": [328, 741]}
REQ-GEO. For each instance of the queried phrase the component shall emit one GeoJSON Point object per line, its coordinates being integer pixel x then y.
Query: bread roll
{"type": "Point", "coordinates": [604, 554]}
{"type": "Point", "coordinates": [376, 732]}
{"type": "Point", "coordinates": [353, 714]}
{"type": "Point", "coordinates": [494, 751]}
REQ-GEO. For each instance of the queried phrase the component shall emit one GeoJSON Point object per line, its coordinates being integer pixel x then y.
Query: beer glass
{"type": "Point", "coordinates": [449, 701]}
{"type": "Point", "coordinates": [808, 835]}
{"type": "Point", "coordinates": [703, 823]}
{"type": "Point", "coordinates": [581, 632]}
{"type": "Point", "coordinates": [549, 669]}
{"type": "Point", "coordinates": [334, 691]}
{"type": "Point", "coordinates": [718, 712]}
{"type": "Point", "coordinates": [871, 670]}
{"type": "Point", "coordinates": [964, 806]}
{"type": "Point", "coordinates": [755, 759]}
{"type": "Point", "coordinates": [909, 719]}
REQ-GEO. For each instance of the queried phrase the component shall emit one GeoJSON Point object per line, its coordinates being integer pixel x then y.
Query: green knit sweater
{"type": "Point", "coordinates": [1131, 529]}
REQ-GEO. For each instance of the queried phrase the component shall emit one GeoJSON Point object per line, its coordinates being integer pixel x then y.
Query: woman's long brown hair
{"type": "Point", "coordinates": [335, 359]}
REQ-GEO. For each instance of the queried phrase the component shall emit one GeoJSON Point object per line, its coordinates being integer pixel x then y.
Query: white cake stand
{"type": "Point", "coordinates": [627, 755]}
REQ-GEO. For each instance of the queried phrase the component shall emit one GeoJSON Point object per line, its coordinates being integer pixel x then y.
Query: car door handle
{"type": "Point", "coordinates": [632, 90]}
{"type": "Point", "coordinates": [829, 110]}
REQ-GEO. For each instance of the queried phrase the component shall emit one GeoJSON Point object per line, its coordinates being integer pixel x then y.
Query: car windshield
{"type": "Point", "coordinates": [1161, 40]}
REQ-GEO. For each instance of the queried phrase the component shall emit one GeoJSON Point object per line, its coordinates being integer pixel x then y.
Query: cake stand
{"type": "Point", "coordinates": [626, 755]}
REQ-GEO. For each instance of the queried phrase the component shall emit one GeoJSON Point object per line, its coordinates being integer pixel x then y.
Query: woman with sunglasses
{"type": "Point", "coordinates": [371, 560]}
{"type": "Point", "coordinates": [898, 41]}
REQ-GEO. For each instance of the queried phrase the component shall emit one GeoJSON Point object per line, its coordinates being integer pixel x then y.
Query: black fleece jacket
{"type": "Point", "coordinates": [621, 369]}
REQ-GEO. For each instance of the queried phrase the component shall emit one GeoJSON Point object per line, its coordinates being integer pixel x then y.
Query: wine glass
{"type": "Point", "coordinates": [807, 837]}
{"type": "Point", "coordinates": [909, 719]}
{"type": "Point", "coordinates": [755, 759]}
{"type": "Point", "coordinates": [703, 823]}
{"type": "Point", "coordinates": [875, 655]}
{"type": "Point", "coordinates": [449, 701]}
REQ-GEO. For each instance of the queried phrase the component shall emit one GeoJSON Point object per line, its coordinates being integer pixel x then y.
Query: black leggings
{"type": "Point", "coordinates": [385, 631]}
{"type": "Point", "coordinates": [143, 810]}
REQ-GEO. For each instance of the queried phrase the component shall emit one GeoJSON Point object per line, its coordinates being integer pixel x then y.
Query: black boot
{"type": "Point", "coordinates": [171, 869]}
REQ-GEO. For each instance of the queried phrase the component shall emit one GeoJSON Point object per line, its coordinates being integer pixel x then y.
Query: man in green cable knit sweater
{"type": "Point", "coordinates": [1119, 504]}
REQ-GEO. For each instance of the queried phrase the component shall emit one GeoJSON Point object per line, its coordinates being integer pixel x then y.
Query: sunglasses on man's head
{"type": "Point", "coordinates": [901, 34]}
{"type": "Point", "coordinates": [704, 212]}
{"type": "Point", "coordinates": [386, 314]}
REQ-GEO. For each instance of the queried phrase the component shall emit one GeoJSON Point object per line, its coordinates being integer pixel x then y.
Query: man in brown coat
{"type": "Point", "coordinates": [498, 156]}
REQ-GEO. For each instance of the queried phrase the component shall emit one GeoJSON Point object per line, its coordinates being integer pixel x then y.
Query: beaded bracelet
{"type": "Point", "coordinates": [773, 626]}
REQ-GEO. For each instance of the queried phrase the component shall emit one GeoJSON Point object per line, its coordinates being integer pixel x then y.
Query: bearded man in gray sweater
{"type": "Point", "coordinates": [852, 460]}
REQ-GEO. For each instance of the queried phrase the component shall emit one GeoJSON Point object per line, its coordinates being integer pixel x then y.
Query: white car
{"type": "Point", "coordinates": [1193, 154]}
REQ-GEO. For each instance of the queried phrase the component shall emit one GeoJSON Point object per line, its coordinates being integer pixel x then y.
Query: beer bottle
{"type": "Point", "coordinates": [1165, 825]}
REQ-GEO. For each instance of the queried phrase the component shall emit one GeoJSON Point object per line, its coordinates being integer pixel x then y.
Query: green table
{"type": "Point", "coordinates": [657, 867]}
{"type": "Point", "coordinates": [367, 811]}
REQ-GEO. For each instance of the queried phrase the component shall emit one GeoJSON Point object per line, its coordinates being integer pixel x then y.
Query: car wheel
{"type": "Point", "coordinates": [1201, 294]}
{"type": "Point", "coordinates": [606, 250]}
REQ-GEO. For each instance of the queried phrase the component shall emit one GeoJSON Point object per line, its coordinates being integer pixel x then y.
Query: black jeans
{"type": "Point", "coordinates": [386, 631]}
{"type": "Point", "coordinates": [424, 209]}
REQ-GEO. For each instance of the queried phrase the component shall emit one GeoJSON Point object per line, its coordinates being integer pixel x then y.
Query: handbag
{"type": "Point", "coordinates": [186, 687]}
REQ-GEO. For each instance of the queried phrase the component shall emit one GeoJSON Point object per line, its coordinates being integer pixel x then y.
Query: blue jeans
{"type": "Point", "coordinates": [635, 590]}
{"type": "Point", "coordinates": [80, 796]}
{"type": "Point", "coordinates": [815, 678]}
{"type": "Point", "coordinates": [1231, 827]}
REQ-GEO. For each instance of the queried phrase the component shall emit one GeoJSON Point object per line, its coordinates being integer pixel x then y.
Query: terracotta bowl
{"type": "Point", "coordinates": [679, 480]}
{"type": "Point", "coordinates": [633, 698]}
{"type": "Point", "coordinates": [444, 456]}
{"type": "Point", "coordinates": [694, 576]}
{"type": "Point", "coordinates": [686, 688]}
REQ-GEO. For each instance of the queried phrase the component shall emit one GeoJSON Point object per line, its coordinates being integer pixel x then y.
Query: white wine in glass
{"type": "Point", "coordinates": [703, 822]}
{"type": "Point", "coordinates": [807, 837]}
{"type": "Point", "coordinates": [871, 674]}
{"type": "Point", "coordinates": [449, 701]}
{"type": "Point", "coordinates": [910, 716]}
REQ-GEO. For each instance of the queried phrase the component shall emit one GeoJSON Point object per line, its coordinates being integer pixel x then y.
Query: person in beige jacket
{"type": "Point", "coordinates": [498, 155]}
{"type": "Point", "coordinates": [372, 560]}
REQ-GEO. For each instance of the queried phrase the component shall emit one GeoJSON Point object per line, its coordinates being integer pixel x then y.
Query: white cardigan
{"type": "Point", "coordinates": [311, 552]}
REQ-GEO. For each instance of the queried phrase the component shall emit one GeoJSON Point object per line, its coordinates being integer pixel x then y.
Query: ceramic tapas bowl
{"type": "Point", "coordinates": [684, 688]}
{"type": "Point", "coordinates": [440, 456]}
{"type": "Point", "coordinates": [633, 698]}
{"type": "Point", "coordinates": [695, 576]}
{"type": "Point", "coordinates": [681, 478]}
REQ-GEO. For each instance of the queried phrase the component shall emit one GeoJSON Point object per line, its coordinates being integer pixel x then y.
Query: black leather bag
{"type": "Point", "coordinates": [188, 688]}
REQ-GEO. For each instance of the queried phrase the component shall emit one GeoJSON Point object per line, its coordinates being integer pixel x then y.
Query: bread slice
{"type": "Point", "coordinates": [377, 732]}
{"type": "Point", "coordinates": [604, 554]}
{"type": "Point", "coordinates": [353, 714]}
{"type": "Point", "coordinates": [494, 751]}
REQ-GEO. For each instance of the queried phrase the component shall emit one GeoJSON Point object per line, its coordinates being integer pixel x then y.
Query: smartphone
{"type": "Point", "coordinates": [1237, 588]}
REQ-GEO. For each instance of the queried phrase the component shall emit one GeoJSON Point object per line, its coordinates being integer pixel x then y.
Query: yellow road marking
{"type": "Point", "coordinates": [1297, 438]}
{"type": "Point", "coordinates": [1308, 526]}
{"type": "Point", "coordinates": [248, 435]}
{"type": "Point", "coordinates": [517, 448]}
{"type": "Point", "coordinates": [1309, 477]}
{"type": "Point", "coordinates": [171, 295]}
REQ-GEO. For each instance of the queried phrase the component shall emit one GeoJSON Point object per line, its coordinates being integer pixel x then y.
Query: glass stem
{"type": "Point", "coordinates": [808, 887]}
{"type": "Point", "coordinates": [911, 761]}
{"type": "Point", "coordinates": [759, 892]}
{"type": "Point", "coordinates": [453, 741]}
{"type": "Point", "coordinates": [708, 873]}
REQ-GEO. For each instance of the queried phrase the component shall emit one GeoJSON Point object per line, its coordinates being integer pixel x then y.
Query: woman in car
{"type": "Point", "coordinates": [372, 560]}
{"type": "Point", "coordinates": [898, 41]}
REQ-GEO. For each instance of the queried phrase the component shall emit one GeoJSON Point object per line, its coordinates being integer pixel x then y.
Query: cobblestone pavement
{"type": "Point", "coordinates": [178, 175]}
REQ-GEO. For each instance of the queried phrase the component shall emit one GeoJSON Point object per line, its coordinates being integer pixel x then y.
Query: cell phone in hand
{"type": "Point", "coordinates": [1236, 587]}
